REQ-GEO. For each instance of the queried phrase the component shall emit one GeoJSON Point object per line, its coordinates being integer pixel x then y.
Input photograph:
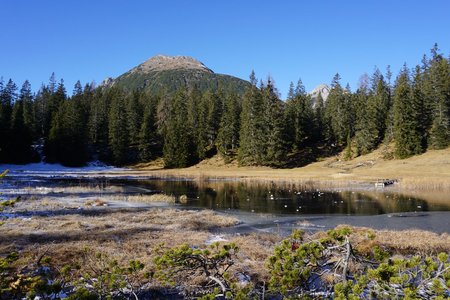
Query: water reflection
{"type": "Point", "coordinates": [262, 197]}
{"type": "Point", "coordinates": [270, 198]}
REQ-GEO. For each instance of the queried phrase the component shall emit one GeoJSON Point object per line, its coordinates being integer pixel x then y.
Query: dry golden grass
{"type": "Point", "coordinates": [134, 234]}
{"type": "Point", "coordinates": [142, 198]}
{"type": "Point", "coordinates": [430, 170]}
{"type": "Point", "coordinates": [399, 241]}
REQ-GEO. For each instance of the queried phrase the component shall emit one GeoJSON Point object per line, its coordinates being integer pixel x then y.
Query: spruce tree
{"type": "Point", "coordinates": [148, 137]}
{"type": "Point", "coordinates": [98, 122]}
{"type": "Point", "coordinates": [118, 134]}
{"type": "Point", "coordinates": [437, 91]}
{"type": "Point", "coordinates": [320, 125]}
{"type": "Point", "coordinates": [299, 118]}
{"type": "Point", "coordinates": [372, 111]}
{"type": "Point", "coordinates": [178, 146]}
{"type": "Point", "coordinates": [20, 131]}
{"type": "Point", "coordinates": [8, 96]}
{"type": "Point", "coordinates": [337, 112]}
{"type": "Point", "coordinates": [134, 117]}
{"type": "Point", "coordinates": [252, 131]}
{"type": "Point", "coordinates": [228, 135]}
{"type": "Point", "coordinates": [408, 140]}
{"type": "Point", "coordinates": [274, 150]}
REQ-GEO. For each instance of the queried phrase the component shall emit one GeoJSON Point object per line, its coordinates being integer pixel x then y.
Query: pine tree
{"type": "Point", "coordinates": [77, 90]}
{"type": "Point", "coordinates": [118, 134]}
{"type": "Point", "coordinates": [337, 111]}
{"type": "Point", "coordinates": [252, 134]}
{"type": "Point", "coordinates": [178, 147]}
{"type": "Point", "coordinates": [8, 96]}
{"type": "Point", "coordinates": [228, 135]}
{"type": "Point", "coordinates": [20, 131]}
{"type": "Point", "coordinates": [209, 114]}
{"type": "Point", "coordinates": [196, 120]}
{"type": "Point", "coordinates": [320, 125]}
{"type": "Point", "coordinates": [148, 137]}
{"type": "Point", "coordinates": [28, 107]}
{"type": "Point", "coordinates": [437, 97]}
{"type": "Point", "coordinates": [299, 118]}
{"type": "Point", "coordinates": [408, 140]}
{"type": "Point", "coordinates": [372, 111]}
{"type": "Point", "coordinates": [134, 117]}
{"type": "Point", "coordinates": [67, 142]}
{"type": "Point", "coordinates": [366, 134]}
{"type": "Point", "coordinates": [98, 123]}
{"type": "Point", "coordinates": [274, 151]}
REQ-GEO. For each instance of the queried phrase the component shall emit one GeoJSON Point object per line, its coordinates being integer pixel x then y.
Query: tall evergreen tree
{"type": "Point", "coordinates": [408, 140]}
{"type": "Point", "coordinates": [320, 124]}
{"type": "Point", "coordinates": [437, 96]}
{"type": "Point", "coordinates": [337, 112]}
{"type": "Point", "coordinates": [98, 124]}
{"type": "Point", "coordinates": [228, 135]}
{"type": "Point", "coordinates": [299, 118]}
{"type": "Point", "coordinates": [118, 134]}
{"type": "Point", "coordinates": [134, 117]}
{"type": "Point", "coordinates": [20, 131]}
{"type": "Point", "coordinates": [252, 134]}
{"type": "Point", "coordinates": [178, 147]}
{"type": "Point", "coordinates": [8, 96]}
{"type": "Point", "coordinates": [148, 137]}
{"type": "Point", "coordinates": [273, 119]}
{"type": "Point", "coordinates": [372, 112]}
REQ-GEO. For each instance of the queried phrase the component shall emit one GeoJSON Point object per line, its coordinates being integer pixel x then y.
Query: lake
{"type": "Point", "coordinates": [363, 206]}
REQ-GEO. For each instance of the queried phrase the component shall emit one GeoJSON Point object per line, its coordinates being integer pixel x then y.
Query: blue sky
{"type": "Point", "coordinates": [312, 40]}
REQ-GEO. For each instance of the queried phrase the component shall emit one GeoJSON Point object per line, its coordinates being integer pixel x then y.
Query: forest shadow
{"type": "Point", "coordinates": [308, 155]}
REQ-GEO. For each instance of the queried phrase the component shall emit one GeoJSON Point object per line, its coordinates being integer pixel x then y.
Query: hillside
{"type": "Point", "coordinates": [167, 73]}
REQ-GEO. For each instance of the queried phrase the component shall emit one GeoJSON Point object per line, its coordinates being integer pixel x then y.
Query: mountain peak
{"type": "Point", "coordinates": [164, 62]}
{"type": "Point", "coordinates": [321, 89]}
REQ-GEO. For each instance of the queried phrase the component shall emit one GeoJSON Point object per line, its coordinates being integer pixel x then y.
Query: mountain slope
{"type": "Point", "coordinates": [166, 73]}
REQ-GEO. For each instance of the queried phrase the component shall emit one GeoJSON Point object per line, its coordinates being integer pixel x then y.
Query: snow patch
{"type": "Point", "coordinates": [43, 169]}
{"type": "Point", "coordinates": [214, 239]}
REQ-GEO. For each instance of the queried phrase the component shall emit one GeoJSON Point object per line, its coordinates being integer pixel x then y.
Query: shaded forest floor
{"type": "Point", "coordinates": [429, 171]}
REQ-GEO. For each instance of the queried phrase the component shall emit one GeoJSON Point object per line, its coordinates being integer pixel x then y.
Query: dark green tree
{"type": "Point", "coordinates": [118, 128]}
{"type": "Point", "coordinates": [408, 140]}
{"type": "Point", "coordinates": [299, 118]}
{"type": "Point", "coordinates": [8, 96]}
{"type": "Point", "coordinates": [178, 145]}
{"type": "Point", "coordinates": [252, 133]}
{"type": "Point", "coordinates": [437, 100]}
{"type": "Point", "coordinates": [67, 142]}
{"type": "Point", "coordinates": [228, 135]}
{"type": "Point", "coordinates": [134, 117]}
{"type": "Point", "coordinates": [21, 123]}
{"type": "Point", "coordinates": [149, 141]}
{"type": "Point", "coordinates": [98, 130]}
{"type": "Point", "coordinates": [274, 127]}
{"type": "Point", "coordinates": [338, 112]}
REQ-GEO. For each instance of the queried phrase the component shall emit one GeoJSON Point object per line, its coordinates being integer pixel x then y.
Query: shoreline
{"type": "Point", "coordinates": [427, 172]}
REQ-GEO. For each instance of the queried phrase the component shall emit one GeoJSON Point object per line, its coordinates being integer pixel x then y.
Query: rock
{"type": "Point", "coordinates": [183, 199]}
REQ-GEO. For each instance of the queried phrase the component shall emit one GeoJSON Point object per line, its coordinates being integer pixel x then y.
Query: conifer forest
{"type": "Point", "coordinates": [410, 111]}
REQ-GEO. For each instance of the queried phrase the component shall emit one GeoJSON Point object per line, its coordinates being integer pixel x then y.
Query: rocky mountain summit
{"type": "Point", "coordinates": [164, 63]}
{"type": "Point", "coordinates": [166, 74]}
{"type": "Point", "coordinates": [323, 90]}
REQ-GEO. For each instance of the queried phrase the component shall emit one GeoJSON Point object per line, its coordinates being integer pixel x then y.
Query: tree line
{"type": "Point", "coordinates": [256, 128]}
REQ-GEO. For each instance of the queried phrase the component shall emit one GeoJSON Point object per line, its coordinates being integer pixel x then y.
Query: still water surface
{"type": "Point", "coordinates": [271, 198]}
{"type": "Point", "coordinates": [260, 197]}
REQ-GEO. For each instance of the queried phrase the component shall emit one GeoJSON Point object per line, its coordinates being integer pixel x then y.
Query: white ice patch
{"type": "Point", "coordinates": [215, 238]}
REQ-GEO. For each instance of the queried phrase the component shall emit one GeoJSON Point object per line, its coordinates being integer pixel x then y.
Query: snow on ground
{"type": "Point", "coordinates": [56, 169]}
